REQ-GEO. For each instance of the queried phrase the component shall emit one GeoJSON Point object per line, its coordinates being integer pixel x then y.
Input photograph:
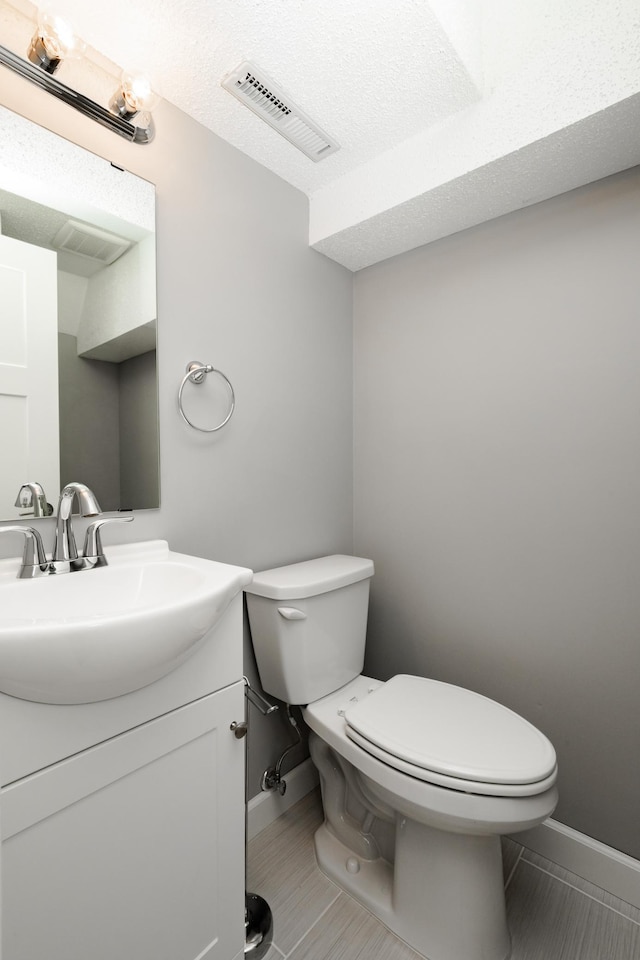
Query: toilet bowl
{"type": "Point", "coordinates": [419, 778]}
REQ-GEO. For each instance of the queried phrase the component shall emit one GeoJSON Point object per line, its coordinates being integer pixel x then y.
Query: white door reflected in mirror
{"type": "Point", "coordinates": [28, 370]}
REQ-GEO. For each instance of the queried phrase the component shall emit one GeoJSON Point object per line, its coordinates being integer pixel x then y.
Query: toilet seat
{"type": "Point", "coordinates": [452, 737]}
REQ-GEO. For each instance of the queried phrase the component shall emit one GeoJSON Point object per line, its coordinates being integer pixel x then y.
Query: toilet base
{"type": "Point", "coordinates": [444, 896]}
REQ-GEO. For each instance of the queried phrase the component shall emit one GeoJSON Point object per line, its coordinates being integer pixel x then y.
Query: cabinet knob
{"type": "Point", "coordinates": [239, 729]}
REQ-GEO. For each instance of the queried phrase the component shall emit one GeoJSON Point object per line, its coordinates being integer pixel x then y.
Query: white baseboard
{"type": "Point", "coordinates": [593, 861]}
{"type": "Point", "coordinates": [267, 807]}
{"type": "Point", "coordinates": [601, 865]}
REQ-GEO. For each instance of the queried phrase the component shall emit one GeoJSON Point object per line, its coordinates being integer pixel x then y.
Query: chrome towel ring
{"type": "Point", "coordinates": [196, 372]}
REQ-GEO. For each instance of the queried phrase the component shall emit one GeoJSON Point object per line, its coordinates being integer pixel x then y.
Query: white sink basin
{"type": "Point", "coordinates": [97, 634]}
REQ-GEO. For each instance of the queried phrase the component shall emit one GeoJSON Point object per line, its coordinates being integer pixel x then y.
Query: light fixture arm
{"type": "Point", "coordinates": [74, 99]}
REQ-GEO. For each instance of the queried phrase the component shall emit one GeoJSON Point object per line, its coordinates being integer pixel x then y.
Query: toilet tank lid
{"type": "Point", "coordinates": [310, 578]}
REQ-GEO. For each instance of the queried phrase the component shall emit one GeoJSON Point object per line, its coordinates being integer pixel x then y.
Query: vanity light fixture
{"type": "Point", "coordinates": [133, 95]}
{"type": "Point", "coordinates": [55, 41]}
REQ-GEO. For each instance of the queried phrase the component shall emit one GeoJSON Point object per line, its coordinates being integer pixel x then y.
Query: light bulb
{"type": "Point", "coordinates": [133, 95]}
{"type": "Point", "coordinates": [54, 40]}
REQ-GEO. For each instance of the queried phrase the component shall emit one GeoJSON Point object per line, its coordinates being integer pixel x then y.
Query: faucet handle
{"type": "Point", "coordinates": [34, 561]}
{"type": "Point", "coordinates": [93, 542]}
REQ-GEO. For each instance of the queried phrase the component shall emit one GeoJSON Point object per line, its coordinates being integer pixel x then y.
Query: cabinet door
{"type": "Point", "coordinates": [133, 849]}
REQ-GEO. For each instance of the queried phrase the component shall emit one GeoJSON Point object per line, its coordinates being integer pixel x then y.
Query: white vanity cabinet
{"type": "Point", "coordinates": [123, 821]}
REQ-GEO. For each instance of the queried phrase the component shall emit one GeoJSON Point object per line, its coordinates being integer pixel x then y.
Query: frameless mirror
{"type": "Point", "coordinates": [78, 380]}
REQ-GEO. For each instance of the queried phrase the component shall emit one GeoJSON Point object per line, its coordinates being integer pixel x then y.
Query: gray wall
{"type": "Point", "coordinates": [497, 478]}
{"type": "Point", "coordinates": [108, 417]}
{"type": "Point", "coordinates": [238, 287]}
{"type": "Point", "coordinates": [138, 409]}
{"type": "Point", "coordinates": [89, 422]}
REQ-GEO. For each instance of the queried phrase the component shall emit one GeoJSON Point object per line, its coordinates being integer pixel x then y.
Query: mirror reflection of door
{"type": "Point", "coordinates": [28, 369]}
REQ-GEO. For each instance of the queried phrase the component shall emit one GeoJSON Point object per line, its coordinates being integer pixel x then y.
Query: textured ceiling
{"type": "Point", "coordinates": [448, 112]}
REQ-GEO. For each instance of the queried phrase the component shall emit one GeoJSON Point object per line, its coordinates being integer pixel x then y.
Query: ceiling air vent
{"type": "Point", "coordinates": [90, 242]}
{"type": "Point", "coordinates": [252, 86]}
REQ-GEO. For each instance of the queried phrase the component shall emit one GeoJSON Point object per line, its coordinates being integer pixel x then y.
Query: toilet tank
{"type": "Point", "coordinates": [308, 624]}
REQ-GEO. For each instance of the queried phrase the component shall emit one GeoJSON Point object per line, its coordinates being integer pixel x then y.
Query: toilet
{"type": "Point", "coordinates": [419, 778]}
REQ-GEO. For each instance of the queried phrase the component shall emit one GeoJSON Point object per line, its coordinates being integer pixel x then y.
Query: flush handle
{"type": "Point", "coordinates": [292, 613]}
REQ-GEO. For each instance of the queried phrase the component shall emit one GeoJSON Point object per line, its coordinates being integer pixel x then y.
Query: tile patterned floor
{"type": "Point", "coordinates": [553, 915]}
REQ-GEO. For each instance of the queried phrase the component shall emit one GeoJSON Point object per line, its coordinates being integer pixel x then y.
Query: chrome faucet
{"type": "Point", "coordinates": [64, 546]}
{"type": "Point", "coordinates": [32, 495]}
{"type": "Point", "coordinates": [65, 557]}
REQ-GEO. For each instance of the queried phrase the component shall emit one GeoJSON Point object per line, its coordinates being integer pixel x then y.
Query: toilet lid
{"type": "Point", "coordinates": [451, 731]}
